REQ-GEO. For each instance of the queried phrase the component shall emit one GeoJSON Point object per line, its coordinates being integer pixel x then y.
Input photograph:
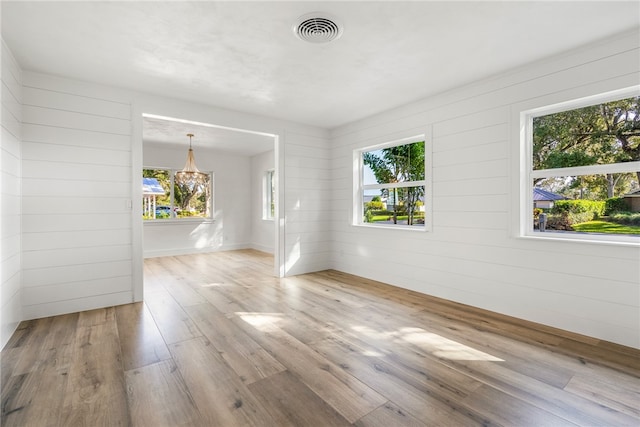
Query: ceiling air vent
{"type": "Point", "coordinates": [317, 27]}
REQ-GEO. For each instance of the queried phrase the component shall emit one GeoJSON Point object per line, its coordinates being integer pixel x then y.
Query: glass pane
{"type": "Point", "coordinates": [394, 206]}
{"type": "Point", "coordinates": [193, 201]}
{"type": "Point", "coordinates": [272, 196]}
{"type": "Point", "coordinates": [269, 207]}
{"type": "Point", "coordinates": [599, 134]}
{"type": "Point", "coordinates": [600, 204]}
{"type": "Point", "coordinates": [156, 194]}
{"type": "Point", "coordinates": [402, 163]}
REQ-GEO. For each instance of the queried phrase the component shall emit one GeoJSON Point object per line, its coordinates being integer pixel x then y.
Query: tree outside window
{"type": "Point", "coordinates": [179, 201]}
{"type": "Point", "coordinates": [589, 158]}
{"type": "Point", "coordinates": [393, 184]}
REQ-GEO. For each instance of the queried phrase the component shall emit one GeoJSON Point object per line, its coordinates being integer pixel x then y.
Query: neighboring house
{"type": "Point", "coordinates": [151, 188]}
{"type": "Point", "coordinates": [544, 199]}
{"type": "Point", "coordinates": [633, 199]}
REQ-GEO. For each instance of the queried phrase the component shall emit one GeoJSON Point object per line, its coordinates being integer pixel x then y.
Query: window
{"type": "Point", "coordinates": [583, 169]}
{"type": "Point", "coordinates": [391, 185]}
{"type": "Point", "coordinates": [163, 198]}
{"type": "Point", "coordinates": [268, 195]}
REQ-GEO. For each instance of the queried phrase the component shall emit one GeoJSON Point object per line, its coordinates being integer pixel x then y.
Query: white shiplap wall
{"type": "Point", "coordinates": [307, 203]}
{"type": "Point", "coordinates": [76, 195]}
{"type": "Point", "coordinates": [472, 256]}
{"type": "Point", "coordinates": [10, 222]}
{"type": "Point", "coordinates": [262, 231]}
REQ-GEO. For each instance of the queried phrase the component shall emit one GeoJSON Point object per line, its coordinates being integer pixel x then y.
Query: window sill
{"type": "Point", "coordinates": [419, 228]}
{"type": "Point", "coordinates": [172, 222]}
{"type": "Point", "coordinates": [598, 239]}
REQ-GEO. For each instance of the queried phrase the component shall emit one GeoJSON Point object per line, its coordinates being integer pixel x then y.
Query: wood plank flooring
{"type": "Point", "coordinates": [220, 342]}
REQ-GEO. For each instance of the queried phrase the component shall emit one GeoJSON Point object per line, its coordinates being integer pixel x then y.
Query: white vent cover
{"type": "Point", "coordinates": [317, 27]}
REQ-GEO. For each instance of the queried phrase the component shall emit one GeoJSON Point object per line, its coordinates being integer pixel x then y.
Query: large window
{"type": "Point", "coordinates": [583, 168]}
{"type": "Point", "coordinates": [391, 185]}
{"type": "Point", "coordinates": [269, 195]}
{"type": "Point", "coordinates": [163, 198]}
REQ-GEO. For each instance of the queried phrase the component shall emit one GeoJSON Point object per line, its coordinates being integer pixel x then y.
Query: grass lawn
{"type": "Point", "coordinates": [606, 227]}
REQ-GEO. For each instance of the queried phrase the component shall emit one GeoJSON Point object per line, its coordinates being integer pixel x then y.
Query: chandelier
{"type": "Point", "coordinates": [190, 175]}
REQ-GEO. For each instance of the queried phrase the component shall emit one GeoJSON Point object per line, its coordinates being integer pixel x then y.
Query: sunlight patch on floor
{"type": "Point", "coordinates": [213, 285]}
{"type": "Point", "coordinates": [429, 342]}
{"type": "Point", "coordinates": [443, 347]}
{"type": "Point", "coordinates": [260, 321]}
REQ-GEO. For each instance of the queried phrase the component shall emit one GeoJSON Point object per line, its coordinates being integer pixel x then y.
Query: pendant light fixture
{"type": "Point", "coordinates": [190, 175]}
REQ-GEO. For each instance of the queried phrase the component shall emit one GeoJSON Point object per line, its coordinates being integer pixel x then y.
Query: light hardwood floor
{"type": "Point", "coordinates": [220, 342]}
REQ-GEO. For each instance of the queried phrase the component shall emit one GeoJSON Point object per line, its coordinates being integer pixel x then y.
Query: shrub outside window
{"type": "Point", "coordinates": [583, 168]}
{"type": "Point", "coordinates": [391, 185]}
{"type": "Point", "coordinates": [164, 198]}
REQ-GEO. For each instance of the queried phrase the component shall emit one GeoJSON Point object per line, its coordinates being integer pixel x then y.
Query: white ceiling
{"type": "Point", "coordinates": [174, 132]}
{"type": "Point", "coordinates": [243, 55]}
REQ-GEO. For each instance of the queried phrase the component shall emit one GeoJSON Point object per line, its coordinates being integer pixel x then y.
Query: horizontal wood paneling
{"type": "Point", "coordinates": [307, 178]}
{"type": "Point", "coordinates": [71, 256]}
{"type": "Point", "coordinates": [74, 273]}
{"type": "Point", "coordinates": [74, 103]}
{"type": "Point", "coordinates": [76, 305]}
{"type": "Point", "coordinates": [10, 122]}
{"type": "Point", "coordinates": [70, 205]}
{"type": "Point", "coordinates": [52, 170]}
{"type": "Point", "coordinates": [75, 137]}
{"type": "Point", "coordinates": [34, 295]}
{"type": "Point", "coordinates": [478, 153]}
{"type": "Point", "coordinates": [75, 239]}
{"type": "Point", "coordinates": [81, 155]}
{"type": "Point", "coordinates": [76, 185]}
{"type": "Point", "coordinates": [71, 120]}
{"type": "Point", "coordinates": [74, 188]}
{"type": "Point", "coordinates": [10, 167]}
{"type": "Point", "coordinates": [46, 222]}
{"type": "Point", "coordinates": [472, 256]}
{"type": "Point", "coordinates": [11, 144]}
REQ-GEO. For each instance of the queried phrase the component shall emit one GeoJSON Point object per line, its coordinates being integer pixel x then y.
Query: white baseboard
{"type": "Point", "coordinates": [262, 248]}
{"type": "Point", "coordinates": [187, 251]}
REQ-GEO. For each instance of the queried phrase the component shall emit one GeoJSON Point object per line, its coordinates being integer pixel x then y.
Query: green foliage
{"type": "Point", "coordinates": [593, 207]}
{"type": "Point", "coordinates": [368, 216]}
{"type": "Point", "coordinates": [374, 205]}
{"type": "Point", "coordinates": [616, 204]}
{"type": "Point", "coordinates": [607, 227]}
{"type": "Point", "coordinates": [401, 163]}
{"type": "Point", "coordinates": [626, 218]}
{"type": "Point", "coordinates": [376, 199]}
{"type": "Point", "coordinates": [598, 134]}
{"type": "Point", "coordinates": [162, 215]}
{"type": "Point", "coordinates": [566, 213]}
{"type": "Point", "coordinates": [382, 213]}
{"type": "Point", "coordinates": [561, 159]}
{"type": "Point", "coordinates": [603, 133]}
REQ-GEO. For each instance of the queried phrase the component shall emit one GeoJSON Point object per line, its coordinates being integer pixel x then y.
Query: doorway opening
{"type": "Point", "coordinates": [231, 217]}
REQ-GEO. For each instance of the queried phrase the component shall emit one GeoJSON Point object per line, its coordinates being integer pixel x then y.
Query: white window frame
{"type": "Point", "coordinates": [173, 219]}
{"type": "Point", "coordinates": [528, 174]}
{"type": "Point", "coordinates": [359, 187]}
{"type": "Point", "coordinates": [268, 194]}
